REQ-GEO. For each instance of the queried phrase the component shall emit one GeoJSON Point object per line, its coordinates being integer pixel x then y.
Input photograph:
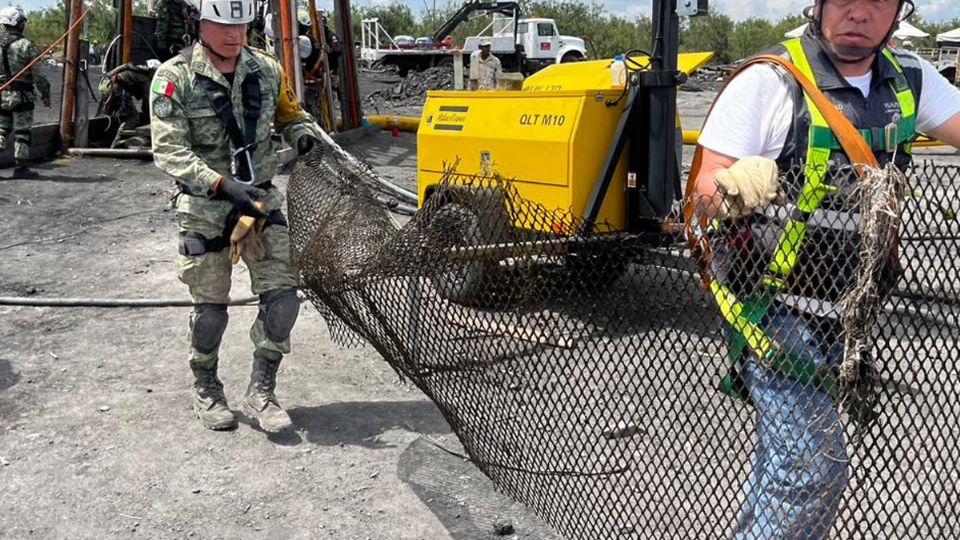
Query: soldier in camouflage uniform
{"type": "Point", "coordinates": [193, 144]}
{"type": "Point", "coordinates": [118, 90]}
{"type": "Point", "coordinates": [175, 27]}
{"type": "Point", "coordinates": [16, 99]}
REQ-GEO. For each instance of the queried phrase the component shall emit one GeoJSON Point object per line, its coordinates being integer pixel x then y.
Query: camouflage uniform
{"type": "Point", "coordinates": [17, 100]}
{"type": "Point", "coordinates": [175, 29]}
{"type": "Point", "coordinates": [191, 144]}
{"type": "Point", "coordinates": [119, 89]}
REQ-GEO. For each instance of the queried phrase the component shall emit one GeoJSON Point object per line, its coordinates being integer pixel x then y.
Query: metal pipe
{"type": "Point", "coordinates": [349, 88]}
{"type": "Point", "coordinates": [112, 302]}
{"type": "Point", "coordinates": [70, 64]}
{"type": "Point", "coordinates": [120, 153]}
{"type": "Point", "coordinates": [127, 31]}
{"type": "Point", "coordinates": [403, 194]}
{"type": "Point", "coordinates": [286, 43]}
{"type": "Point", "coordinates": [409, 124]}
{"type": "Point", "coordinates": [457, 69]}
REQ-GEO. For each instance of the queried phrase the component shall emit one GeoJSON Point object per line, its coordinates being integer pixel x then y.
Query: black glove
{"type": "Point", "coordinates": [304, 145]}
{"type": "Point", "coordinates": [242, 196]}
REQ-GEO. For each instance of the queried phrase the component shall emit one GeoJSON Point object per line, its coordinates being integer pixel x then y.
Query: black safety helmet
{"type": "Point", "coordinates": [813, 14]}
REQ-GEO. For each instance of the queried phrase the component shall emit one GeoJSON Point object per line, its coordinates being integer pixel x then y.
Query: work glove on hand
{"type": "Point", "coordinates": [246, 239]}
{"type": "Point", "coordinates": [749, 183]}
{"type": "Point", "coordinates": [304, 144]}
{"type": "Point", "coordinates": [242, 196]}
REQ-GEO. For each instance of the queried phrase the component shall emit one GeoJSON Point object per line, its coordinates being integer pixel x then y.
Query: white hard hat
{"type": "Point", "coordinates": [153, 63]}
{"type": "Point", "coordinates": [225, 11]}
{"type": "Point", "coordinates": [12, 16]}
{"type": "Point", "coordinates": [303, 17]}
{"type": "Point", "coordinates": [485, 42]}
{"type": "Point", "coordinates": [304, 47]}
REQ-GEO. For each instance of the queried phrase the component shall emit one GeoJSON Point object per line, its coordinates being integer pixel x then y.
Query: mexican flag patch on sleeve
{"type": "Point", "coordinates": [164, 88]}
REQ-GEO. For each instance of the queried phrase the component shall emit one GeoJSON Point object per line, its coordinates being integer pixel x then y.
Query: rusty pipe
{"type": "Point", "coordinates": [70, 64]}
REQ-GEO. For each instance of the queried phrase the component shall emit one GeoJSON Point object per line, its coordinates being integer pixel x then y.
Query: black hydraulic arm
{"type": "Point", "coordinates": [506, 8]}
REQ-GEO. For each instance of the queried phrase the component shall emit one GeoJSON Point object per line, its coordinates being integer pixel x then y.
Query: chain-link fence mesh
{"type": "Point", "coordinates": [583, 371]}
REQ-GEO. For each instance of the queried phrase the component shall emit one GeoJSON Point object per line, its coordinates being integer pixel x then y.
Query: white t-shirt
{"type": "Point", "coordinates": [753, 115]}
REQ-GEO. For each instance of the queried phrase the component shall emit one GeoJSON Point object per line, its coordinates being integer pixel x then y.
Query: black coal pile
{"type": "Point", "coordinates": [412, 89]}
{"type": "Point", "coordinates": [707, 79]}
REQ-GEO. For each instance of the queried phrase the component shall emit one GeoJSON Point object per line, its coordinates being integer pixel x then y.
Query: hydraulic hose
{"type": "Point", "coordinates": [111, 302]}
{"type": "Point", "coordinates": [403, 194]}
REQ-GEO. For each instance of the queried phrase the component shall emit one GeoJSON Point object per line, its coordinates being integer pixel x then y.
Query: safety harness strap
{"type": "Point", "coordinates": [244, 143]}
{"type": "Point", "coordinates": [6, 40]}
{"type": "Point", "coordinates": [744, 317]}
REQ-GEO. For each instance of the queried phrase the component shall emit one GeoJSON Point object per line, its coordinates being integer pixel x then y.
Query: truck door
{"type": "Point", "coordinates": [546, 40]}
{"type": "Point", "coordinates": [525, 38]}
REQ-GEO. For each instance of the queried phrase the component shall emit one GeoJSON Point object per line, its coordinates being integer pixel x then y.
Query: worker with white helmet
{"type": "Point", "coordinates": [17, 97]}
{"type": "Point", "coordinates": [214, 108]}
{"type": "Point", "coordinates": [792, 243]}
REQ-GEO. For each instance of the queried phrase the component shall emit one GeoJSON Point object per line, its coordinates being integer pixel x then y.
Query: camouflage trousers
{"type": "Point", "coordinates": [16, 118]}
{"type": "Point", "coordinates": [128, 117]}
{"type": "Point", "coordinates": [209, 275]}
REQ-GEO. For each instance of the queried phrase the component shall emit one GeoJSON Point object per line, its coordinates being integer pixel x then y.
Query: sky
{"type": "Point", "coordinates": [932, 10]}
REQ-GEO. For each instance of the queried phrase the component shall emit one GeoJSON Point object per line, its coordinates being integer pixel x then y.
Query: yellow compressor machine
{"type": "Point", "coordinates": [552, 140]}
{"type": "Point", "coordinates": [601, 148]}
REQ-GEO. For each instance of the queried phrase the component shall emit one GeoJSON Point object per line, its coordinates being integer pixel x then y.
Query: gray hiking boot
{"type": "Point", "coordinates": [209, 402]}
{"type": "Point", "coordinates": [260, 403]}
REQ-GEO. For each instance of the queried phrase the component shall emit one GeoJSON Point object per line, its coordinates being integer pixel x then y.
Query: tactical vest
{"type": "Point", "coordinates": [244, 141]}
{"type": "Point", "coordinates": [811, 245]}
{"type": "Point", "coordinates": [811, 242]}
{"type": "Point", "coordinates": [24, 83]}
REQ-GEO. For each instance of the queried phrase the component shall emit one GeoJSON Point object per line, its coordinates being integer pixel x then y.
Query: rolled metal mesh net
{"type": "Point", "coordinates": [589, 374]}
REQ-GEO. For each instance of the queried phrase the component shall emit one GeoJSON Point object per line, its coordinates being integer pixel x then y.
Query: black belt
{"type": "Point", "coordinates": [266, 186]}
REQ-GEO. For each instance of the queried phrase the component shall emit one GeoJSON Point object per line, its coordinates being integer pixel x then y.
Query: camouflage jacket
{"type": "Point", "coordinates": [132, 79]}
{"type": "Point", "coordinates": [190, 142]}
{"type": "Point", "coordinates": [173, 22]}
{"type": "Point", "coordinates": [19, 53]}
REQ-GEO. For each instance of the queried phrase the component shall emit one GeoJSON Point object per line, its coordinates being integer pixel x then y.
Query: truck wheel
{"type": "Point", "coordinates": [460, 281]}
{"type": "Point", "coordinates": [571, 57]}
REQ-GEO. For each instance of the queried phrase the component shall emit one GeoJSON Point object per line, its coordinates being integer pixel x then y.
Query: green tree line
{"type": "Point", "coordinates": [607, 33]}
{"type": "Point", "coordinates": [612, 33]}
{"type": "Point", "coordinates": [44, 26]}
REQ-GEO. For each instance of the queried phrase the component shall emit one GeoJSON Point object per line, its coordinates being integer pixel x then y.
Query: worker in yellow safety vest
{"type": "Point", "coordinates": [786, 341]}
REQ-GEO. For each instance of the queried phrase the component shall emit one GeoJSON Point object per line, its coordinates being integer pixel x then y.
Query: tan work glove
{"type": "Point", "coordinates": [749, 183]}
{"type": "Point", "coordinates": [247, 238]}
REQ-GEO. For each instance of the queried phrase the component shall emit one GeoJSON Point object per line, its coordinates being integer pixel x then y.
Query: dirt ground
{"type": "Point", "coordinates": [97, 437]}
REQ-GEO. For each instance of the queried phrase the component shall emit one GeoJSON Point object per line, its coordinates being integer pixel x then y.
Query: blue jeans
{"type": "Point", "coordinates": [799, 461]}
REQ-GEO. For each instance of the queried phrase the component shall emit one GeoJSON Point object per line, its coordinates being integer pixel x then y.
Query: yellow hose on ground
{"type": "Point", "coordinates": [407, 124]}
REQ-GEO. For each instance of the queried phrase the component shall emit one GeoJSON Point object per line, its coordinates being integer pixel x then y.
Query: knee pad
{"type": "Point", "coordinates": [208, 323]}
{"type": "Point", "coordinates": [278, 311]}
